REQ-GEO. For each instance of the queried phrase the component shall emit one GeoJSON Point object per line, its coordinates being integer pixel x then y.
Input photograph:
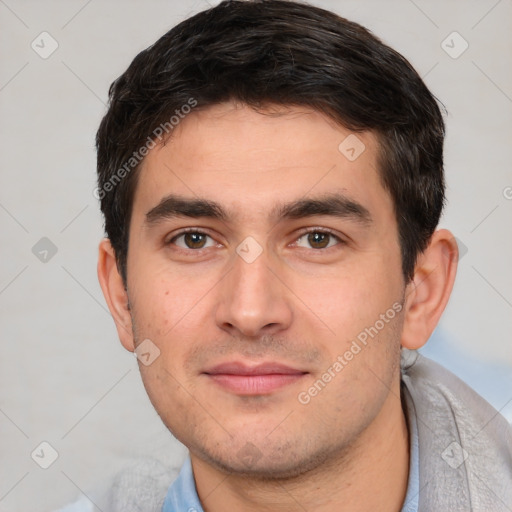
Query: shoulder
{"type": "Point", "coordinates": [82, 504]}
{"type": "Point", "coordinates": [464, 443]}
{"type": "Point", "coordinates": [141, 486]}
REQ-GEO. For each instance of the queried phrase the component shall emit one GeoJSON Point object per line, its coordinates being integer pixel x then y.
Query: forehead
{"type": "Point", "coordinates": [232, 154]}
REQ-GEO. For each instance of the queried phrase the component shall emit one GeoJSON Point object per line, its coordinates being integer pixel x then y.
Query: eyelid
{"type": "Point", "coordinates": [202, 231]}
{"type": "Point", "coordinates": [317, 229]}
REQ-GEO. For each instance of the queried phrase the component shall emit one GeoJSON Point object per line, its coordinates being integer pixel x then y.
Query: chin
{"type": "Point", "coordinates": [277, 464]}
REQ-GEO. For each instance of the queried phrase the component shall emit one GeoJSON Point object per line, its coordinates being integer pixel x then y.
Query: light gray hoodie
{"type": "Point", "coordinates": [465, 445]}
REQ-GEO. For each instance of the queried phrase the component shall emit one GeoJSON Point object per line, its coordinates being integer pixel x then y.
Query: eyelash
{"type": "Point", "coordinates": [340, 241]}
{"type": "Point", "coordinates": [185, 232]}
{"type": "Point", "coordinates": [325, 231]}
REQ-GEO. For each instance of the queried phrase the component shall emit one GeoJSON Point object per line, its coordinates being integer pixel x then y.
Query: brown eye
{"type": "Point", "coordinates": [317, 240]}
{"type": "Point", "coordinates": [193, 240]}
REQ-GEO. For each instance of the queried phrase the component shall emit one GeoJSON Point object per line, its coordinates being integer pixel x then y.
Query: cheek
{"type": "Point", "coordinates": [173, 310]}
{"type": "Point", "coordinates": [163, 297]}
{"type": "Point", "coordinates": [345, 301]}
{"type": "Point", "coordinates": [168, 312]}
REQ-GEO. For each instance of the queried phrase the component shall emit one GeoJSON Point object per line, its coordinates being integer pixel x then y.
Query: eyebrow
{"type": "Point", "coordinates": [333, 205]}
{"type": "Point", "coordinates": [176, 206]}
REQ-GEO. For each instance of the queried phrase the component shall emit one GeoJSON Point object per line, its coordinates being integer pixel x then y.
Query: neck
{"type": "Point", "coordinates": [371, 474]}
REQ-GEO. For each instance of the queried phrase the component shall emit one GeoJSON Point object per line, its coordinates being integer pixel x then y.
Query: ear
{"type": "Point", "coordinates": [428, 292]}
{"type": "Point", "coordinates": [115, 293]}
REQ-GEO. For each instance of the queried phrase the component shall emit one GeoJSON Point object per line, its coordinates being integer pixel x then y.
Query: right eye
{"type": "Point", "coordinates": [192, 240]}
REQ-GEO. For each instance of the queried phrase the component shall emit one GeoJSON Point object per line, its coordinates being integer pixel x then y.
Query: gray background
{"type": "Point", "coordinates": [64, 378]}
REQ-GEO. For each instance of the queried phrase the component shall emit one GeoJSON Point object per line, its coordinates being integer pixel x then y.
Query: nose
{"type": "Point", "coordinates": [252, 299]}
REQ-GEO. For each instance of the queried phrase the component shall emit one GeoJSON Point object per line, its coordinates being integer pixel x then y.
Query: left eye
{"type": "Point", "coordinates": [317, 240]}
{"type": "Point", "coordinates": [193, 240]}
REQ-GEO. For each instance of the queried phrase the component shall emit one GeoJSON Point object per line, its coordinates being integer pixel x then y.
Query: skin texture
{"type": "Point", "coordinates": [297, 303]}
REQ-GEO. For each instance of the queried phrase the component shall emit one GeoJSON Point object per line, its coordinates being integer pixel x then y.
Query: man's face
{"type": "Point", "coordinates": [252, 297]}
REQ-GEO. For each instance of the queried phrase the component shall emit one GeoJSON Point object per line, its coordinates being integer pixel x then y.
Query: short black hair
{"type": "Point", "coordinates": [277, 52]}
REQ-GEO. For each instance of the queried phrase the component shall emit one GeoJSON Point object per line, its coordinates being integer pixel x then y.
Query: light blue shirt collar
{"type": "Point", "coordinates": [182, 495]}
{"type": "Point", "coordinates": [411, 502]}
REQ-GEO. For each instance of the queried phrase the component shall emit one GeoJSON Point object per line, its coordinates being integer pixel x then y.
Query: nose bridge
{"type": "Point", "coordinates": [253, 301]}
{"type": "Point", "coordinates": [251, 279]}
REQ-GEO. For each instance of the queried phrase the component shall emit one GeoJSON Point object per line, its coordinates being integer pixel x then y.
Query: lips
{"type": "Point", "coordinates": [260, 379]}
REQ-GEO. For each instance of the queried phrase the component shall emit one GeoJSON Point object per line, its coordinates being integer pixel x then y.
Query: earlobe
{"type": "Point", "coordinates": [430, 289]}
{"type": "Point", "coordinates": [115, 293]}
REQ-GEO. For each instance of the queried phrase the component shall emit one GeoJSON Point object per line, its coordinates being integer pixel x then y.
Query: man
{"type": "Point", "coordinates": [271, 177]}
